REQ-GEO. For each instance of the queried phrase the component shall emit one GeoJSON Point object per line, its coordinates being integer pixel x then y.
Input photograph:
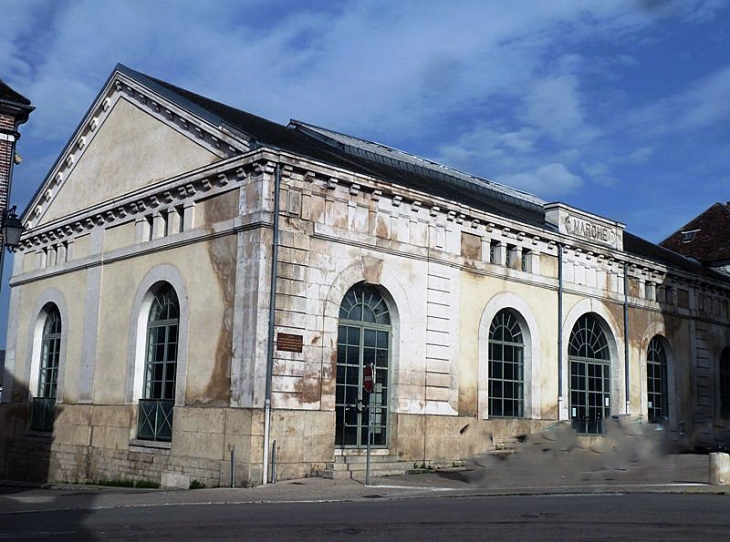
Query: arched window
{"type": "Point", "coordinates": [155, 408]}
{"type": "Point", "coordinates": [363, 357]}
{"type": "Point", "coordinates": [45, 400]}
{"type": "Point", "coordinates": [657, 396]}
{"type": "Point", "coordinates": [590, 389]}
{"type": "Point", "coordinates": [506, 366]}
{"type": "Point", "coordinates": [725, 383]}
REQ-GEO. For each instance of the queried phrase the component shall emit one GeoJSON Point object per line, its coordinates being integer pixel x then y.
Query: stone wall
{"type": "Point", "coordinates": [96, 443]}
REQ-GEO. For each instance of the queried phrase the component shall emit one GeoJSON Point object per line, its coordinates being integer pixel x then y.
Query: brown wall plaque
{"type": "Point", "coordinates": [288, 342]}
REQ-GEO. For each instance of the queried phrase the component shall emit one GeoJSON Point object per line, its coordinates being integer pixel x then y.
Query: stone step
{"type": "Point", "coordinates": [354, 467]}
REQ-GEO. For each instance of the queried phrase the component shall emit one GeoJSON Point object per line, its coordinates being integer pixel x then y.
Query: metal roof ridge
{"type": "Point", "coordinates": [425, 164]}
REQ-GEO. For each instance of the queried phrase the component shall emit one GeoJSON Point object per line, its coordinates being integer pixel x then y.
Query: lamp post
{"type": "Point", "coordinates": [12, 229]}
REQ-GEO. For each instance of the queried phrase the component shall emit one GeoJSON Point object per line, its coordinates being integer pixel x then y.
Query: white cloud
{"type": "Point", "coordinates": [639, 156]}
{"type": "Point", "coordinates": [707, 102]}
{"type": "Point", "coordinates": [547, 181]}
{"type": "Point", "coordinates": [600, 173]}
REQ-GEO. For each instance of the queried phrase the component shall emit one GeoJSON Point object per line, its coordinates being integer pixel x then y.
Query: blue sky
{"type": "Point", "coordinates": [618, 107]}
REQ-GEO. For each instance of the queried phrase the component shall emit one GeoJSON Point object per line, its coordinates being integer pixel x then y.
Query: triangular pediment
{"type": "Point", "coordinates": [134, 136]}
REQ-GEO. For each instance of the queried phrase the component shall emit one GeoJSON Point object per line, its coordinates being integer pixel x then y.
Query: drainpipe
{"type": "Point", "coordinates": [560, 331]}
{"type": "Point", "coordinates": [272, 314]}
{"type": "Point", "coordinates": [626, 334]}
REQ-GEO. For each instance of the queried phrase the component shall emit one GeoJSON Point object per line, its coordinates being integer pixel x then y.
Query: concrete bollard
{"type": "Point", "coordinates": [719, 469]}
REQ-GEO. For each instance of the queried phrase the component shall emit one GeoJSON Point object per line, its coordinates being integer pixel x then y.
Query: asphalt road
{"type": "Point", "coordinates": [545, 518]}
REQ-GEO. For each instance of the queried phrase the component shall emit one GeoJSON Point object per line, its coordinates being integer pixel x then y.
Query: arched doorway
{"type": "Point", "coordinates": [590, 375]}
{"type": "Point", "coordinates": [363, 340]}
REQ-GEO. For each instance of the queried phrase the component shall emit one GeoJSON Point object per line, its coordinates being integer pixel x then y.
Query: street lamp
{"type": "Point", "coordinates": [12, 229]}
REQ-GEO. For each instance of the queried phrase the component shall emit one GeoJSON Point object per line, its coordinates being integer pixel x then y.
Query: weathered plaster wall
{"type": "Point", "coordinates": [129, 151]}
{"type": "Point", "coordinates": [208, 283]}
{"type": "Point", "coordinates": [61, 290]}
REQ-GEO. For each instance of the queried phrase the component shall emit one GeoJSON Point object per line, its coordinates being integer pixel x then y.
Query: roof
{"type": "Point", "coordinates": [656, 253]}
{"type": "Point", "coordinates": [706, 238]}
{"type": "Point", "coordinates": [8, 94]}
{"type": "Point", "coordinates": [381, 161]}
{"type": "Point", "coordinates": [14, 103]}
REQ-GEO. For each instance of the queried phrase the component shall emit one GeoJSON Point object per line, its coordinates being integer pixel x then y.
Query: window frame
{"type": "Point", "coordinates": [508, 320]}
{"type": "Point", "coordinates": [657, 385]}
{"type": "Point", "coordinates": [49, 356]}
{"type": "Point", "coordinates": [155, 408]}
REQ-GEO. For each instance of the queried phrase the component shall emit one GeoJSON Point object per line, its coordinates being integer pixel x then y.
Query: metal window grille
{"type": "Point", "coordinates": [493, 248]}
{"type": "Point", "coordinates": [525, 262]}
{"type": "Point", "coordinates": [42, 414]}
{"type": "Point", "coordinates": [155, 420]}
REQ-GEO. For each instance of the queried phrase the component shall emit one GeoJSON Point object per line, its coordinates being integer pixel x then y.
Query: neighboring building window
{"type": "Point", "coordinates": [156, 406]}
{"type": "Point", "coordinates": [506, 366]}
{"type": "Point", "coordinates": [725, 383]}
{"type": "Point", "coordinates": [656, 382]}
{"type": "Point", "coordinates": [689, 236]}
{"type": "Point", "coordinates": [45, 400]}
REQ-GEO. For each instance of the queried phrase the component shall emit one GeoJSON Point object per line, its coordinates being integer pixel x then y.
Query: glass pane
{"type": "Point", "coordinates": [382, 359]}
{"type": "Point", "coordinates": [369, 338]}
{"type": "Point", "coordinates": [353, 355]}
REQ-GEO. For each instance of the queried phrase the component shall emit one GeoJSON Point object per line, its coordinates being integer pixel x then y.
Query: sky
{"type": "Point", "coordinates": [617, 107]}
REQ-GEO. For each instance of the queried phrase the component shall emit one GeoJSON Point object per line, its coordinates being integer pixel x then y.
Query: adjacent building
{"type": "Point", "coordinates": [198, 287]}
{"type": "Point", "coordinates": [706, 238]}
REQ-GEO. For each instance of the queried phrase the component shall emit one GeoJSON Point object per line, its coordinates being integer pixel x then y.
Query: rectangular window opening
{"type": "Point", "coordinates": [526, 262]}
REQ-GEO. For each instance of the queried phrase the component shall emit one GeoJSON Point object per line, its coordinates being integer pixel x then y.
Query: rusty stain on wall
{"type": "Point", "coordinates": [222, 252]}
{"type": "Point", "coordinates": [372, 268]}
{"type": "Point", "coordinates": [471, 246]}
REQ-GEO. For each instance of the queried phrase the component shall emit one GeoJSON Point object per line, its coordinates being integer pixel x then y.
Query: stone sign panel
{"type": "Point", "coordinates": [585, 226]}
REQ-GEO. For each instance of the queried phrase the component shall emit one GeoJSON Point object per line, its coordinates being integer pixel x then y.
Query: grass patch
{"type": "Point", "coordinates": [195, 484]}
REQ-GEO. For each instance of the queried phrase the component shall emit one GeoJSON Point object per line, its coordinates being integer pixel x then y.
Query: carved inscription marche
{"type": "Point", "coordinates": [589, 230]}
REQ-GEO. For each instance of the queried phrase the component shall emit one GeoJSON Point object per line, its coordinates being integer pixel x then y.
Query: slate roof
{"type": "Point", "coordinates": [709, 241]}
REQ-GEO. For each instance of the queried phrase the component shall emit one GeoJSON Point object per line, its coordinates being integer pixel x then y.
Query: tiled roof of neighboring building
{"type": "Point", "coordinates": [7, 93]}
{"type": "Point", "coordinates": [656, 253]}
{"type": "Point", "coordinates": [705, 238]}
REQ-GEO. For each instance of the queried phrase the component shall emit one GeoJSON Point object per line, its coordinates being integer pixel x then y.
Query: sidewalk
{"type": "Point", "coordinates": [517, 474]}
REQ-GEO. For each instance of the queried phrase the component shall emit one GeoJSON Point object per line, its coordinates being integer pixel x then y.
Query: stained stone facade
{"type": "Point", "coordinates": [145, 342]}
